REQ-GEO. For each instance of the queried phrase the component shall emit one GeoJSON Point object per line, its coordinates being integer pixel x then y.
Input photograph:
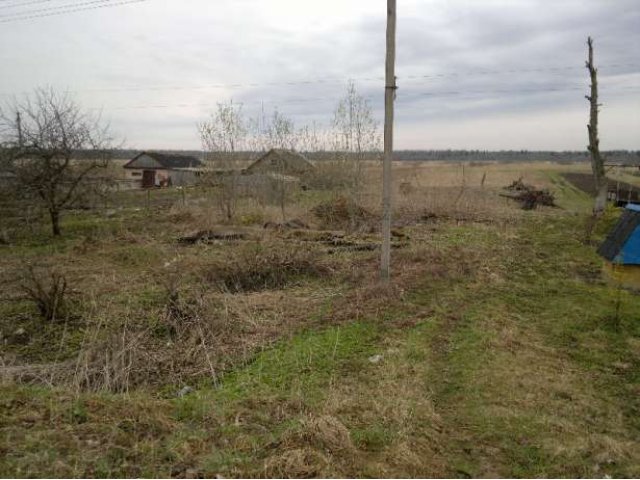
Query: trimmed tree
{"type": "Point", "coordinates": [597, 162]}
{"type": "Point", "coordinates": [52, 149]}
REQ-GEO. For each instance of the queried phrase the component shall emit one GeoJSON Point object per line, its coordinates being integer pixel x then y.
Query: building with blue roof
{"type": "Point", "coordinates": [621, 249]}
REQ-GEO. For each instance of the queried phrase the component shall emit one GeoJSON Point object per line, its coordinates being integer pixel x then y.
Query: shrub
{"type": "Point", "coordinates": [47, 291]}
{"type": "Point", "coordinates": [341, 212]}
{"type": "Point", "coordinates": [261, 267]}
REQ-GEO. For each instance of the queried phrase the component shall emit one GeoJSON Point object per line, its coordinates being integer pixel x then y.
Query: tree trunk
{"type": "Point", "coordinates": [55, 222]}
{"type": "Point", "coordinates": [597, 162]}
{"type": "Point", "coordinates": [601, 197]}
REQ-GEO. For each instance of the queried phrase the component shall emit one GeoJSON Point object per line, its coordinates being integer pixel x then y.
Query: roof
{"type": "Point", "coordinates": [281, 161]}
{"type": "Point", "coordinates": [169, 161]}
{"type": "Point", "coordinates": [633, 207]}
{"type": "Point", "coordinates": [623, 243]}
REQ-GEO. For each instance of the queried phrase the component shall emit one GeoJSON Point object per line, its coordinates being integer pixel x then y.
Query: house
{"type": "Point", "coordinates": [621, 249]}
{"type": "Point", "coordinates": [622, 193]}
{"type": "Point", "coordinates": [162, 170]}
{"type": "Point", "coordinates": [281, 162]}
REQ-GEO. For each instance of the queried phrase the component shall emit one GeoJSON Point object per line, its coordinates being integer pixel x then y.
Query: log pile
{"type": "Point", "coordinates": [529, 196]}
{"type": "Point", "coordinates": [210, 236]}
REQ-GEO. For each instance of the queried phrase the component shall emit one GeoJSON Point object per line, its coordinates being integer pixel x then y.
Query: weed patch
{"type": "Point", "coordinates": [264, 267]}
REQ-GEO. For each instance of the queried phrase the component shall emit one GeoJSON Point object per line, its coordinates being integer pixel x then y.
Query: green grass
{"type": "Point", "coordinates": [510, 346]}
{"type": "Point", "coordinates": [297, 370]}
{"type": "Point", "coordinates": [509, 365]}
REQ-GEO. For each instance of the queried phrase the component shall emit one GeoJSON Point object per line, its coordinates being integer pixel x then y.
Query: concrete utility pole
{"type": "Point", "coordinates": [19, 128]}
{"type": "Point", "coordinates": [389, 97]}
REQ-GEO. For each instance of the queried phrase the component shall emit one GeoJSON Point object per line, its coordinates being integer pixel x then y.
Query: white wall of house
{"type": "Point", "coordinates": [178, 177]}
{"type": "Point", "coordinates": [131, 174]}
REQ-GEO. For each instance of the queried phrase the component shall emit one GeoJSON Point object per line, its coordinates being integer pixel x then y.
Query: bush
{"type": "Point", "coordinates": [341, 212]}
{"type": "Point", "coordinates": [47, 291]}
{"type": "Point", "coordinates": [261, 267]}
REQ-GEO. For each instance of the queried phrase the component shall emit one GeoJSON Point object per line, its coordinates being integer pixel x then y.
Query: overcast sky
{"type": "Point", "coordinates": [487, 74]}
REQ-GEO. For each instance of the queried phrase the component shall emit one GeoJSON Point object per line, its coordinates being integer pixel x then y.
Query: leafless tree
{"type": "Point", "coordinates": [225, 131]}
{"type": "Point", "coordinates": [356, 135]}
{"type": "Point", "coordinates": [310, 139]}
{"type": "Point", "coordinates": [52, 148]}
{"type": "Point", "coordinates": [222, 136]}
{"type": "Point", "coordinates": [279, 132]}
{"type": "Point", "coordinates": [597, 162]}
{"type": "Point", "coordinates": [274, 131]}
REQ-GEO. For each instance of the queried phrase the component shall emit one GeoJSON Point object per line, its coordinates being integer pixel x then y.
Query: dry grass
{"type": "Point", "coordinates": [484, 370]}
{"type": "Point", "coordinates": [148, 317]}
{"type": "Point", "coordinates": [255, 267]}
{"type": "Point", "coordinates": [298, 463]}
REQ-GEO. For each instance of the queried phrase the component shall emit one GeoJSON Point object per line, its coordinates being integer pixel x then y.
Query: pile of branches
{"type": "Point", "coordinates": [529, 196]}
{"type": "Point", "coordinates": [518, 186]}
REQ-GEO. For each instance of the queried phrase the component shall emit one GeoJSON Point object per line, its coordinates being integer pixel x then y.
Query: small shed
{"type": "Point", "coordinates": [163, 170]}
{"type": "Point", "coordinates": [281, 162]}
{"type": "Point", "coordinates": [621, 249]}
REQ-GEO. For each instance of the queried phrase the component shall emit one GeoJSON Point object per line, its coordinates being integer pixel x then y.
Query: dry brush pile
{"type": "Point", "coordinates": [529, 196]}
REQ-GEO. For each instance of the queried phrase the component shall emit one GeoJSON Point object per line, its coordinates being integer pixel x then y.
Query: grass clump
{"type": "Point", "coordinates": [265, 267]}
{"type": "Point", "coordinates": [342, 212]}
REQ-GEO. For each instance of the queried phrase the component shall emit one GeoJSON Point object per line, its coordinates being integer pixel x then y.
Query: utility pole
{"type": "Point", "coordinates": [19, 127]}
{"type": "Point", "coordinates": [389, 97]}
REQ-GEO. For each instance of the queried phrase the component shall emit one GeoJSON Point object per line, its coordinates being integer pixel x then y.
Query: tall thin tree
{"type": "Point", "coordinates": [222, 136]}
{"type": "Point", "coordinates": [597, 162]}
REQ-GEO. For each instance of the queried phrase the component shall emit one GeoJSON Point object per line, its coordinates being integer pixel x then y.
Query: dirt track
{"type": "Point", "coordinates": [584, 181]}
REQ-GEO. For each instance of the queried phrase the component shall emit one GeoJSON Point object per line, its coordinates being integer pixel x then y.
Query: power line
{"type": "Point", "coordinates": [519, 90]}
{"type": "Point", "coordinates": [401, 97]}
{"type": "Point", "coordinates": [54, 8]}
{"type": "Point", "coordinates": [559, 70]}
{"type": "Point", "coordinates": [332, 80]}
{"type": "Point", "coordinates": [23, 4]}
{"type": "Point", "coordinates": [72, 10]}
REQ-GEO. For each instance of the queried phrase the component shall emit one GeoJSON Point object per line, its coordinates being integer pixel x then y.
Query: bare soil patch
{"type": "Point", "coordinates": [584, 182]}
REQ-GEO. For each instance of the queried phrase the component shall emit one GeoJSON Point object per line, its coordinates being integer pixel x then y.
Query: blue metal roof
{"type": "Point", "coordinates": [633, 206]}
{"type": "Point", "coordinates": [623, 242]}
{"type": "Point", "coordinates": [630, 252]}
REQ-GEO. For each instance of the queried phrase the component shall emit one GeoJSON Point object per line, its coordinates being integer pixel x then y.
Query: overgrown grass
{"type": "Point", "coordinates": [493, 355]}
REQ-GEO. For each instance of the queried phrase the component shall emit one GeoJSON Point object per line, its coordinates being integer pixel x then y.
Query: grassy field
{"type": "Point", "coordinates": [499, 350]}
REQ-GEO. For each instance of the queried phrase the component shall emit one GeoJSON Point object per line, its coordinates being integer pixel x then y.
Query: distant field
{"type": "Point", "coordinates": [500, 349]}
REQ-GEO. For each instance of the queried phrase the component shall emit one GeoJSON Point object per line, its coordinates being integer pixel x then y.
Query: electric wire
{"type": "Point", "coordinates": [401, 98]}
{"type": "Point", "coordinates": [23, 4]}
{"type": "Point", "coordinates": [72, 10]}
{"type": "Point", "coordinates": [55, 8]}
{"type": "Point", "coordinates": [330, 80]}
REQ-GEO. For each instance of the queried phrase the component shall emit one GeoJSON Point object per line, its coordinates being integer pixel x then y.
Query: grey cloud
{"type": "Point", "coordinates": [199, 45]}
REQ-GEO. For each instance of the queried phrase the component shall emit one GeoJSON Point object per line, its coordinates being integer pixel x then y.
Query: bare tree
{"type": "Point", "coordinates": [356, 135]}
{"type": "Point", "coordinates": [597, 162]}
{"type": "Point", "coordinates": [278, 132]}
{"type": "Point", "coordinates": [223, 135]}
{"type": "Point", "coordinates": [310, 139]}
{"type": "Point", "coordinates": [51, 148]}
{"type": "Point", "coordinates": [281, 132]}
{"type": "Point", "coordinates": [225, 131]}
